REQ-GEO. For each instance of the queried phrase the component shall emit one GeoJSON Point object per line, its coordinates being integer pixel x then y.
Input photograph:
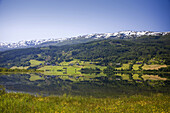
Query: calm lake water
{"type": "Point", "coordinates": [86, 85]}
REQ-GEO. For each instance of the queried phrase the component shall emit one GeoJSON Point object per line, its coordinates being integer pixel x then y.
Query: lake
{"type": "Point", "coordinates": [96, 85]}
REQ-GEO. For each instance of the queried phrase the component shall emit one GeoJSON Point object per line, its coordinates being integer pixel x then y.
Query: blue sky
{"type": "Point", "coordinates": [43, 19]}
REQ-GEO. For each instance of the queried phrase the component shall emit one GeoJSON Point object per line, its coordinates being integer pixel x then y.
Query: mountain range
{"type": "Point", "coordinates": [78, 39]}
{"type": "Point", "coordinates": [105, 49]}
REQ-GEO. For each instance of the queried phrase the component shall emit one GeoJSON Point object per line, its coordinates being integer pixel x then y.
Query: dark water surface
{"type": "Point", "coordinates": [85, 85]}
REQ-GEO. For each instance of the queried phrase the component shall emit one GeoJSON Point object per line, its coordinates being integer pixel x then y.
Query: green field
{"type": "Point", "coordinates": [156, 61]}
{"type": "Point", "coordinates": [74, 61]}
{"type": "Point", "coordinates": [64, 68]}
{"type": "Point", "coordinates": [61, 70]}
{"type": "Point", "coordinates": [136, 66]}
{"type": "Point", "coordinates": [153, 67]}
{"type": "Point", "coordinates": [21, 67]}
{"type": "Point", "coordinates": [35, 62]}
{"type": "Point", "coordinates": [124, 66]}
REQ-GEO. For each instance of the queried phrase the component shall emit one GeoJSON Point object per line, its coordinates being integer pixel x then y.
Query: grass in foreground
{"type": "Point", "coordinates": [17, 102]}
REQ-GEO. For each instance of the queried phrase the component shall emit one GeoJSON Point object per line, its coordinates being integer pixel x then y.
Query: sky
{"type": "Point", "coordinates": [44, 19]}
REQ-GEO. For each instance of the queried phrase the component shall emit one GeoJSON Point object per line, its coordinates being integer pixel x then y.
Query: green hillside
{"type": "Point", "coordinates": [147, 49]}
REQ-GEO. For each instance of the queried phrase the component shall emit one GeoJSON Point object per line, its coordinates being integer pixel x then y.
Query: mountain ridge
{"type": "Point", "coordinates": [78, 39]}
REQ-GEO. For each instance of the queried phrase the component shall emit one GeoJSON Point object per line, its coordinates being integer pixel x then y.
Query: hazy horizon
{"type": "Point", "coordinates": [44, 19]}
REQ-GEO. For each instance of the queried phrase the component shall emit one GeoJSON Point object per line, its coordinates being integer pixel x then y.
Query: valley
{"type": "Point", "coordinates": [121, 70]}
{"type": "Point", "coordinates": [84, 56]}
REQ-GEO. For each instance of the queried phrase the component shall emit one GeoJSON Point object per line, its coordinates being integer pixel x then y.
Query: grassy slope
{"type": "Point", "coordinates": [21, 67]}
{"type": "Point", "coordinates": [145, 67]}
{"type": "Point", "coordinates": [124, 66]}
{"type": "Point", "coordinates": [36, 62]}
{"type": "Point", "coordinates": [15, 103]}
{"type": "Point", "coordinates": [152, 67]}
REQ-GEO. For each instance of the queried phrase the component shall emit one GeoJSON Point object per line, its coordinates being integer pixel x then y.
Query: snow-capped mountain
{"type": "Point", "coordinates": [27, 43]}
{"type": "Point", "coordinates": [89, 37]}
{"type": "Point", "coordinates": [126, 34]}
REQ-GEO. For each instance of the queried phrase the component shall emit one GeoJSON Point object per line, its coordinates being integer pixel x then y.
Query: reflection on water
{"type": "Point", "coordinates": [86, 85]}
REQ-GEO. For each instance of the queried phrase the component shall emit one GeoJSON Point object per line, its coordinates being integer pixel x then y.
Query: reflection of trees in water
{"type": "Point", "coordinates": [131, 78]}
{"type": "Point", "coordinates": [104, 85]}
{"type": "Point", "coordinates": [139, 84]}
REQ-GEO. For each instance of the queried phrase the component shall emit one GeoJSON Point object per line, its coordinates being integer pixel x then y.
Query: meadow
{"type": "Point", "coordinates": [26, 103]}
{"type": "Point", "coordinates": [36, 62]}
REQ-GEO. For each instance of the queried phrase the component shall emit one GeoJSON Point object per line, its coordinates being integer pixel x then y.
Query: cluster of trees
{"type": "Point", "coordinates": [19, 70]}
{"type": "Point", "coordinates": [105, 52]}
{"type": "Point", "coordinates": [167, 69]}
{"type": "Point", "coordinates": [90, 70]}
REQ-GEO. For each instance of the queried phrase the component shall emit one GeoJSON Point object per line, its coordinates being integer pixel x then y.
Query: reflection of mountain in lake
{"type": "Point", "coordinates": [99, 86]}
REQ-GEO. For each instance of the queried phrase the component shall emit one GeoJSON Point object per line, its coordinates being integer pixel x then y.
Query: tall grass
{"type": "Point", "coordinates": [24, 103]}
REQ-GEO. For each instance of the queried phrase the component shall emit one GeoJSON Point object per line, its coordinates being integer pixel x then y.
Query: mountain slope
{"type": "Point", "coordinates": [105, 52]}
